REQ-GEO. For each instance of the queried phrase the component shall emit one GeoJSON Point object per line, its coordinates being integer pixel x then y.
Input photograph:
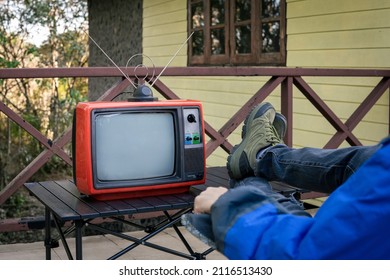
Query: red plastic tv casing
{"type": "Point", "coordinates": [82, 161]}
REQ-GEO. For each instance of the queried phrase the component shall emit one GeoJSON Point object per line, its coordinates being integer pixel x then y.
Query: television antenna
{"type": "Point", "coordinates": [112, 61]}
{"type": "Point", "coordinates": [142, 91]}
{"type": "Point", "coordinates": [173, 57]}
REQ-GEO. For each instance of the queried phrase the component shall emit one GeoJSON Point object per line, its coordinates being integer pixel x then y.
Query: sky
{"type": "Point", "coordinates": [38, 35]}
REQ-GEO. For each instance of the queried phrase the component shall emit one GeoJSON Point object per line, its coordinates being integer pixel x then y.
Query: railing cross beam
{"type": "Point", "coordinates": [324, 109]}
{"type": "Point", "coordinates": [241, 114]}
{"type": "Point", "coordinates": [359, 113]}
{"type": "Point", "coordinates": [47, 143]}
{"type": "Point", "coordinates": [216, 137]}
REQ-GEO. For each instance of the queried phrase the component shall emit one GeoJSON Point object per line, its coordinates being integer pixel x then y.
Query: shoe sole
{"type": "Point", "coordinates": [244, 168]}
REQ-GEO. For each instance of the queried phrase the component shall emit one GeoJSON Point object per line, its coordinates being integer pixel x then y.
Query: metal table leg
{"type": "Point", "coordinates": [79, 241]}
{"type": "Point", "coordinates": [48, 233]}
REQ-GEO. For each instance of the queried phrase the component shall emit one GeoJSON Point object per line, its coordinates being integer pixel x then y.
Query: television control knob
{"type": "Point", "coordinates": [191, 118]}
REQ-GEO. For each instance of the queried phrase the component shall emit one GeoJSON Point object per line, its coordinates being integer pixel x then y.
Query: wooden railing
{"type": "Point", "coordinates": [286, 78]}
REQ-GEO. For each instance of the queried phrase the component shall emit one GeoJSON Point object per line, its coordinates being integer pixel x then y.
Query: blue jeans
{"type": "Point", "coordinates": [321, 170]}
{"type": "Point", "coordinates": [260, 185]}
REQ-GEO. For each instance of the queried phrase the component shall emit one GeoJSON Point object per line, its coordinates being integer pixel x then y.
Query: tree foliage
{"type": "Point", "coordinates": [45, 103]}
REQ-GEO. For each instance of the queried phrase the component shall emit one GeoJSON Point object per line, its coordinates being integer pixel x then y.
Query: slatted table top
{"type": "Point", "coordinates": [64, 200]}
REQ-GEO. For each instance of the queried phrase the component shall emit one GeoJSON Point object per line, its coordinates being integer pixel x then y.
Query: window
{"type": "Point", "coordinates": [237, 32]}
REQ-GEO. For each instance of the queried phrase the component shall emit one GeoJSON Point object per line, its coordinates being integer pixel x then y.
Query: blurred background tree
{"type": "Point", "coordinates": [44, 33]}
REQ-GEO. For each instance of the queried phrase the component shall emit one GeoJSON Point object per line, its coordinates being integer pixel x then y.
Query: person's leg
{"type": "Point", "coordinates": [314, 169]}
{"type": "Point", "coordinates": [287, 204]}
{"type": "Point", "coordinates": [308, 168]}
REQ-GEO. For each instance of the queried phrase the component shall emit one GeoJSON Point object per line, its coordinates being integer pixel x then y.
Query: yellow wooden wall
{"type": "Point", "coordinates": [339, 34]}
{"type": "Point", "coordinates": [331, 34]}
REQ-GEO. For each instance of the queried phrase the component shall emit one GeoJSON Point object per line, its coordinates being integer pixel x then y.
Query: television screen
{"type": "Point", "coordinates": [134, 146]}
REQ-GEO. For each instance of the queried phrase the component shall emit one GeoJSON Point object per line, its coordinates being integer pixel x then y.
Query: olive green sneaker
{"type": "Point", "coordinates": [258, 133]}
{"type": "Point", "coordinates": [280, 125]}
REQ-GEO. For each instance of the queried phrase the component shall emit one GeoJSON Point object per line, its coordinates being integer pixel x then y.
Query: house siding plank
{"type": "Point", "coordinates": [319, 7]}
{"type": "Point", "coordinates": [339, 22]}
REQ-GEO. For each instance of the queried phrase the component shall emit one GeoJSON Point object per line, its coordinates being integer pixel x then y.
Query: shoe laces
{"type": "Point", "coordinates": [271, 134]}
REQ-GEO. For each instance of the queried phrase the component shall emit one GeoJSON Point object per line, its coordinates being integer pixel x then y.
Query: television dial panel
{"type": "Point", "coordinates": [192, 127]}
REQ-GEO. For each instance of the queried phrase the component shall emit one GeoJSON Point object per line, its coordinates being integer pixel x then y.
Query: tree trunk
{"type": "Point", "coordinates": [117, 27]}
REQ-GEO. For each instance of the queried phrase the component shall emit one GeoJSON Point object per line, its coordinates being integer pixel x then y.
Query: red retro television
{"type": "Point", "coordinates": [136, 149]}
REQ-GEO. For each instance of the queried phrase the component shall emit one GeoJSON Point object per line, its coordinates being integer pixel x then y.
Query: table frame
{"type": "Point", "coordinates": [66, 208]}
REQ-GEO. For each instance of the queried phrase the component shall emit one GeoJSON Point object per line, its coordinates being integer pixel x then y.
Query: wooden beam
{"type": "Point", "coordinates": [13, 73]}
{"type": "Point", "coordinates": [287, 108]}
{"type": "Point", "coordinates": [47, 143]}
{"type": "Point", "coordinates": [324, 109]}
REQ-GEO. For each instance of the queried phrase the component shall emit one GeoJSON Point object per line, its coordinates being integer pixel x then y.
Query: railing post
{"type": "Point", "coordinates": [287, 108]}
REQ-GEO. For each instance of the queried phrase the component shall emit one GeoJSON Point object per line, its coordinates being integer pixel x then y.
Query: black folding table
{"type": "Point", "coordinates": [70, 212]}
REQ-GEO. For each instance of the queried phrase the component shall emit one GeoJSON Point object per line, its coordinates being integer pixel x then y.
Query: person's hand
{"type": "Point", "coordinates": [206, 199]}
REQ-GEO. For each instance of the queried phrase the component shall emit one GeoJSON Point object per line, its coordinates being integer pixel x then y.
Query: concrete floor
{"type": "Point", "coordinates": [101, 247]}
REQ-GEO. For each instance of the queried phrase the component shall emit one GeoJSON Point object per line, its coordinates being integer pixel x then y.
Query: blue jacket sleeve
{"type": "Point", "coordinates": [353, 223]}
